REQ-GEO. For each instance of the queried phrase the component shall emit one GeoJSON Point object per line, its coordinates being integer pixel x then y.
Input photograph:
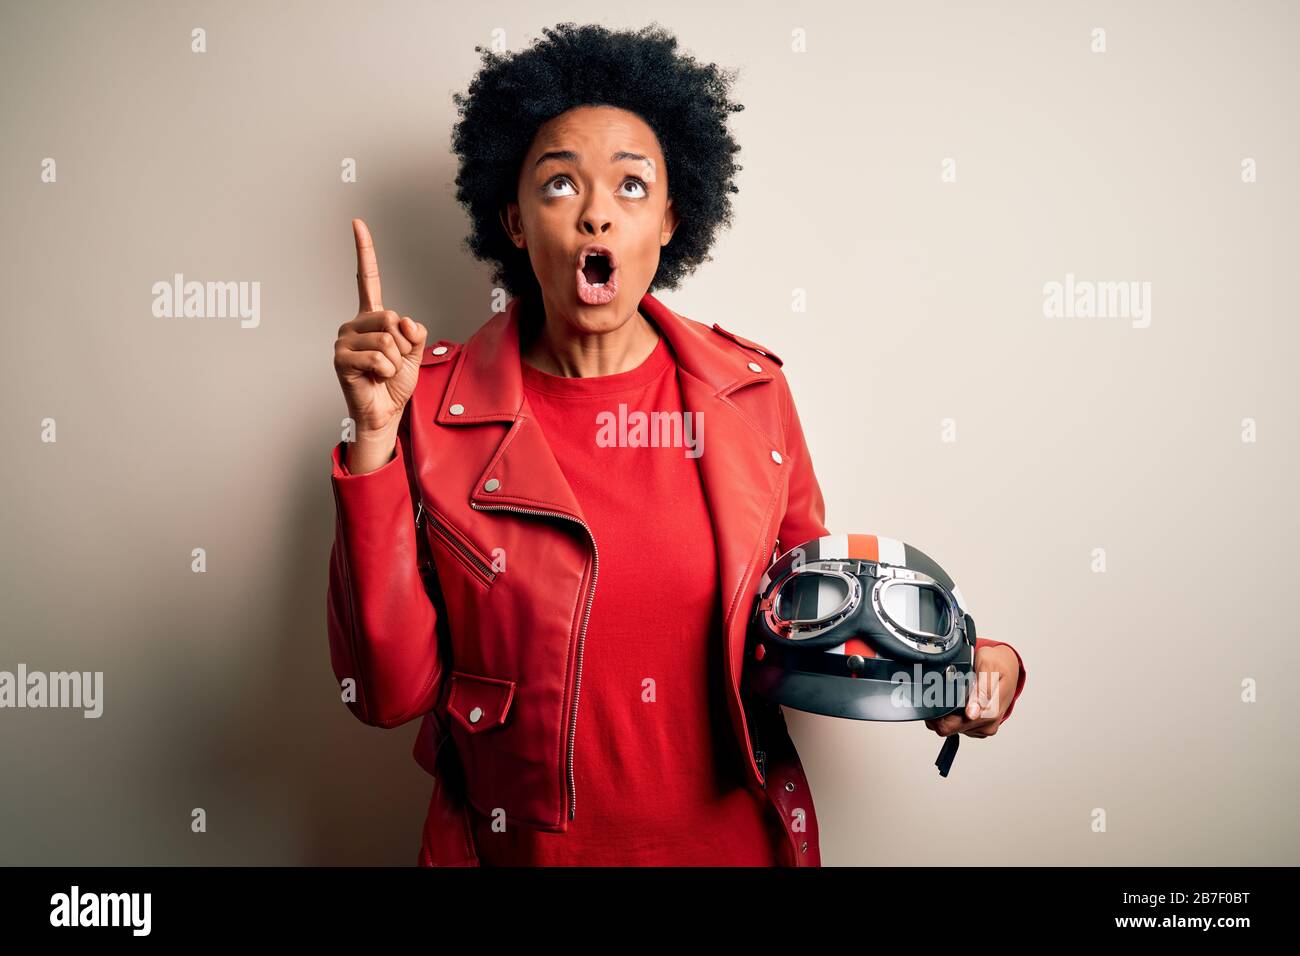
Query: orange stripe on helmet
{"type": "Point", "coordinates": [864, 547]}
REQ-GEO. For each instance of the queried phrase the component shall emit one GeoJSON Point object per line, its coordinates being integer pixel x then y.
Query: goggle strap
{"type": "Point", "coordinates": [947, 753]}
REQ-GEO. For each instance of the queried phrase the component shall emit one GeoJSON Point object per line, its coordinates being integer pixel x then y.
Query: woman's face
{"type": "Point", "coordinates": [592, 176]}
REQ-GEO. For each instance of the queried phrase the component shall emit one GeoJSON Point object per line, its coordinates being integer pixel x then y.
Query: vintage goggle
{"type": "Point", "coordinates": [816, 597]}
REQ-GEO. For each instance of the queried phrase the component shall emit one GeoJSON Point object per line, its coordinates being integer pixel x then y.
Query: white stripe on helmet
{"type": "Point", "coordinates": [891, 551]}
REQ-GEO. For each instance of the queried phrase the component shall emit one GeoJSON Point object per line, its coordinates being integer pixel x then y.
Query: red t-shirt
{"type": "Point", "coordinates": [656, 767]}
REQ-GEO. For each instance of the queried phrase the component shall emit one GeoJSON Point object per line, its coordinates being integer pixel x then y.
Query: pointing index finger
{"type": "Point", "coordinates": [367, 269]}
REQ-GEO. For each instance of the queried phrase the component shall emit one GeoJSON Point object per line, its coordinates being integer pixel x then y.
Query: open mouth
{"type": "Point", "coordinates": [597, 275]}
{"type": "Point", "coordinates": [597, 269]}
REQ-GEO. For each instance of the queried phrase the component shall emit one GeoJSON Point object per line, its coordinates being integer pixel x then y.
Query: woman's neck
{"type": "Point", "coordinates": [558, 349]}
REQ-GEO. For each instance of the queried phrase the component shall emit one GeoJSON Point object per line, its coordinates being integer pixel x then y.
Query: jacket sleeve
{"type": "Point", "coordinates": [381, 621]}
{"type": "Point", "coordinates": [1020, 681]}
{"type": "Point", "coordinates": [805, 511]}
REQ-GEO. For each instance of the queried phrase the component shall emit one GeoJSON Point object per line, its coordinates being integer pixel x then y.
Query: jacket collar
{"type": "Point", "coordinates": [488, 384]}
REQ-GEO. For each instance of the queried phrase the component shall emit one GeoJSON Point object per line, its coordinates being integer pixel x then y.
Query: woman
{"type": "Point", "coordinates": [596, 483]}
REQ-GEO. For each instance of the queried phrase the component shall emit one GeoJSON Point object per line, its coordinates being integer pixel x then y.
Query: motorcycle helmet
{"type": "Point", "coordinates": [862, 626]}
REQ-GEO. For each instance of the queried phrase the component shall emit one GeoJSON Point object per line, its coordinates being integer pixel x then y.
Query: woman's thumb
{"type": "Point", "coordinates": [414, 331]}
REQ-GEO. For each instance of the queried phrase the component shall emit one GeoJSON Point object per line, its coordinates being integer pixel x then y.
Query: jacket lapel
{"type": "Point", "coordinates": [742, 481]}
{"type": "Point", "coordinates": [487, 386]}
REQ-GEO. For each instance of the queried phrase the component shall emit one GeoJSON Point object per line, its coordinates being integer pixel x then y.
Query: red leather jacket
{"type": "Point", "coordinates": [490, 656]}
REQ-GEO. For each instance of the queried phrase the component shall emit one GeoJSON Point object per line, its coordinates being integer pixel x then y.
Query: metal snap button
{"type": "Point", "coordinates": [776, 456]}
{"type": "Point", "coordinates": [491, 485]}
{"type": "Point", "coordinates": [440, 350]}
{"type": "Point", "coordinates": [789, 785]}
{"type": "Point", "coordinates": [475, 714]}
{"type": "Point", "coordinates": [457, 409]}
{"type": "Point", "coordinates": [755, 367]}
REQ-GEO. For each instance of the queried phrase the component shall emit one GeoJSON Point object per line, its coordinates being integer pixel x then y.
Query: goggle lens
{"type": "Point", "coordinates": [918, 608]}
{"type": "Point", "coordinates": [811, 598]}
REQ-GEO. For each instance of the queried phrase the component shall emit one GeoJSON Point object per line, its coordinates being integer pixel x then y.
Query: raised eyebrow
{"type": "Point", "coordinates": [623, 154]}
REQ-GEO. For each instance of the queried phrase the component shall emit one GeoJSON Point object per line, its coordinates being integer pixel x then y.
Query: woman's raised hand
{"type": "Point", "coordinates": [377, 358]}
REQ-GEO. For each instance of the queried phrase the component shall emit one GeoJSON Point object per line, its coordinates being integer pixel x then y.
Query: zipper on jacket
{"type": "Point", "coordinates": [475, 562]}
{"type": "Point", "coordinates": [582, 632]}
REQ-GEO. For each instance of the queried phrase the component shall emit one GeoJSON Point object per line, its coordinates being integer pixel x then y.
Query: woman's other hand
{"type": "Point", "coordinates": [997, 673]}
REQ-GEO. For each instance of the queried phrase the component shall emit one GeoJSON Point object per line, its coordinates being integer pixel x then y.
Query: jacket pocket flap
{"type": "Point", "coordinates": [479, 703]}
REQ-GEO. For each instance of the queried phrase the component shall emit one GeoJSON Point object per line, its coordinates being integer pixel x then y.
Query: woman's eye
{"type": "Point", "coordinates": [558, 179]}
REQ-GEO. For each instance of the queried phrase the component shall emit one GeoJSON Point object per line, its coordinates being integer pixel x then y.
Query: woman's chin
{"type": "Point", "coordinates": [585, 317]}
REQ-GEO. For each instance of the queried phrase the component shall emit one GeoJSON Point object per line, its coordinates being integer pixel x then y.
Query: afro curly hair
{"type": "Point", "coordinates": [683, 101]}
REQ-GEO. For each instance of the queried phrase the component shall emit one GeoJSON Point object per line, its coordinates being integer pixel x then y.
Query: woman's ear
{"type": "Point", "coordinates": [671, 221]}
{"type": "Point", "coordinates": [509, 216]}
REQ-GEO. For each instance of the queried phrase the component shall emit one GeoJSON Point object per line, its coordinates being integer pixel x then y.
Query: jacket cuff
{"type": "Point", "coordinates": [338, 460]}
{"type": "Point", "coordinates": [368, 504]}
{"type": "Point", "coordinates": [1020, 680]}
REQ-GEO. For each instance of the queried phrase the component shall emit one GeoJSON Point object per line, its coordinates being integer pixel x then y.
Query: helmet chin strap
{"type": "Point", "coordinates": [947, 753]}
